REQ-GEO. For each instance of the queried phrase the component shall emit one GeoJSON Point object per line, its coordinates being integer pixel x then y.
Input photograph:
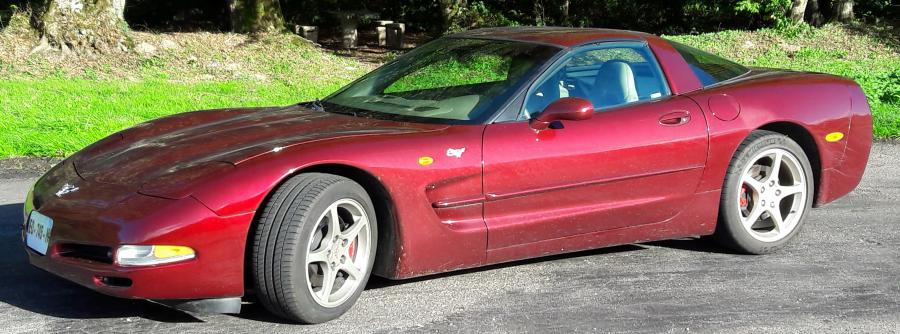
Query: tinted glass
{"type": "Point", "coordinates": [450, 80]}
{"type": "Point", "coordinates": [610, 76]}
{"type": "Point", "coordinates": [709, 68]}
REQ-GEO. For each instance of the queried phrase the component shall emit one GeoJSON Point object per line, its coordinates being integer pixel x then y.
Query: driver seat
{"type": "Point", "coordinates": [614, 85]}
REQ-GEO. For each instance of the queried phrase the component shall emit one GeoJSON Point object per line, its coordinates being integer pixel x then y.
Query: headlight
{"type": "Point", "coordinates": [132, 255]}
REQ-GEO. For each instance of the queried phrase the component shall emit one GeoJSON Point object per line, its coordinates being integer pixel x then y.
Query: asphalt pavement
{"type": "Point", "coordinates": [841, 276]}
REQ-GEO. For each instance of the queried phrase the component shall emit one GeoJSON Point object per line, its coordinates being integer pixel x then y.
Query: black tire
{"type": "Point", "coordinates": [280, 245]}
{"type": "Point", "coordinates": [729, 230]}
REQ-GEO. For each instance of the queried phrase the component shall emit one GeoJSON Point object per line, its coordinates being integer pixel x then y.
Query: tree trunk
{"type": "Point", "coordinates": [539, 19]}
{"type": "Point", "coordinates": [843, 10]}
{"type": "Point", "coordinates": [564, 7]}
{"type": "Point", "coordinates": [798, 10]}
{"type": "Point", "coordinates": [256, 16]}
{"type": "Point", "coordinates": [449, 11]}
{"type": "Point", "coordinates": [83, 26]}
{"type": "Point", "coordinates": [814, 14]}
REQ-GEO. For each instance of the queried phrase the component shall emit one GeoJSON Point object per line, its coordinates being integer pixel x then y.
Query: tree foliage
{"type": "Point", "coordinates": [658, 16]}
{"type": "Point", "coordinates": [441, 16]}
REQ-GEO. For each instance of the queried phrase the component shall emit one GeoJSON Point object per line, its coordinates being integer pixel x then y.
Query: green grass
{"type": "Point", "coordinates": [865, 58]}
{"type": "Point", "coordinates": [54, 107]}
{"type": "Point", "coordinates": [55, 116]}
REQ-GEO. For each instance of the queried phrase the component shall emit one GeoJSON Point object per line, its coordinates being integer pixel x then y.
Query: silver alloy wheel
{"type": "Point", "coordinates": [772, 195]}
{"type": "Point", "coordinates": [338, 252]}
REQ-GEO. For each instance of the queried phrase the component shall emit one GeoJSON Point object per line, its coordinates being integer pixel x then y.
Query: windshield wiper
{"type": "Point", "coordinates": [314, 105]}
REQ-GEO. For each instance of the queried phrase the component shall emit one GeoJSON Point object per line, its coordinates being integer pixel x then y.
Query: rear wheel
{"type": "Point", "coordinates": [314, 247]}
{"type": "Point", "coordinates": [767, 193]}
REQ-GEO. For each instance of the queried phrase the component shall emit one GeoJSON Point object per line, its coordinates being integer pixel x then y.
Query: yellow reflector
{"type": "Point", "coordinates": [164, 252]}
{"type": "Point", "coordinates": [425, 161]}
{"type": "Point", "coordinates": [834, 136]}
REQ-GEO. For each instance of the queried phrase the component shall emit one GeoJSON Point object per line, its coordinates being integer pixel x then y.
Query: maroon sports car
{"type": "Point", "coordinates": [477, 148]}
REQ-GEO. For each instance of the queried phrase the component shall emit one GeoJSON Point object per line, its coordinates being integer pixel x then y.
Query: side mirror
{"type": "Point", "coordinates": [567, 108]}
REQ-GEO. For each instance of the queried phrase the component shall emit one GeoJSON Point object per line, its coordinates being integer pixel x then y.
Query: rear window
{"type": "Point", "coordinates": [709, 68]}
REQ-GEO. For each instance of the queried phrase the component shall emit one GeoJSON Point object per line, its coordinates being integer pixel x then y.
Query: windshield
{"type": "Point", "coordinates": [450, 80]}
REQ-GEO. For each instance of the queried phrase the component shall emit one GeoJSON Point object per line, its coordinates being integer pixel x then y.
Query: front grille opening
{"type": "Point", "coordinates": [119, 282]}
{"type": "Point", "coordinates": [99, 254]}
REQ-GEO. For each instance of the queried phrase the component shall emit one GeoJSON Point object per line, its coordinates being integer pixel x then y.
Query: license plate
{"type": "Point", "coordinates": [37, 233]}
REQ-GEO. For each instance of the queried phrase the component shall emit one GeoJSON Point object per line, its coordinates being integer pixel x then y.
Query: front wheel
{"type": "Point", "coordinates": [767, 193]}
{"type": "Point", "coordinates": [314, 247]}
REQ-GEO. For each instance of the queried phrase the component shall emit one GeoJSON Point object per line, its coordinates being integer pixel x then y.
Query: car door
{"type": "Point", "coordinates": [637, 161]}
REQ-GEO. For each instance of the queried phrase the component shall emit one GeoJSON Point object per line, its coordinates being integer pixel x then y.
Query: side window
{"type": "Point", "coordinates": [608, 77]}
{"type": "Point", "coordinates": [709, 68]}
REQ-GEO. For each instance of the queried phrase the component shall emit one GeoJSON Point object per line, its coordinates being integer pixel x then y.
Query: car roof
{"type": "Point", "coordinates": [558, 36]}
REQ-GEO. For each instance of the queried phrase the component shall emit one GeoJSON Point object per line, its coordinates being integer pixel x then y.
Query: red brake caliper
{"type": "Point", "coordinates": [743, 196]}
{"type": "Point", "coordinates": [352, 248]}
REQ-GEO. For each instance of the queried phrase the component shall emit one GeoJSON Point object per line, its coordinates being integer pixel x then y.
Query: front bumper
{"type": "Point", "coordinates": [103, 216]}
{"type": "Point", "coordinates": [162, 282]}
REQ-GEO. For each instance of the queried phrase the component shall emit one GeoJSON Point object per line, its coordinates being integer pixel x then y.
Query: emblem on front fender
{"type": "Point", "coordinates": [455, 152]}
{"type": "Point", "coordinates": [66, 188]}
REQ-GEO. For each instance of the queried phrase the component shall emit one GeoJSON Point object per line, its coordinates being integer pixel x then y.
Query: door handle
{"type": "Point", "coordinates": [675, 118]}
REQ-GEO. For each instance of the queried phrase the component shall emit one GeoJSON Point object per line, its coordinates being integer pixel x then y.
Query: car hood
{"type": "Point", "coordinates": [195, 144]}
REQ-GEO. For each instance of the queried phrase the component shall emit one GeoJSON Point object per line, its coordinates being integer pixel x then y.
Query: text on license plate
{"type": "Point", "coordinates": [37, 233]}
